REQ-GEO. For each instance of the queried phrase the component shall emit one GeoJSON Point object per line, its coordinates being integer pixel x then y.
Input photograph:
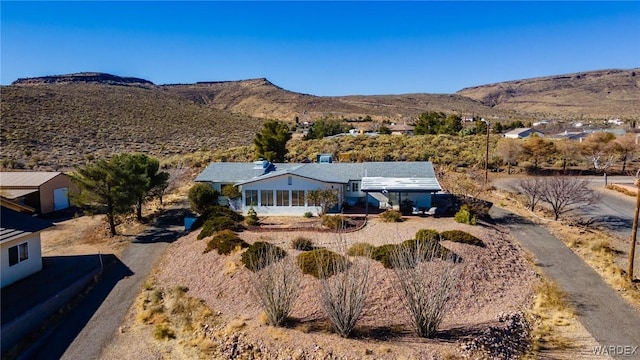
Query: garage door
{"type": "Point", "coordinates": [60, 198]}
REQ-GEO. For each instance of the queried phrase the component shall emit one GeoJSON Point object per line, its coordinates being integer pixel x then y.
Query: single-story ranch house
{"type": "Point", "coordinates": [282, 188]}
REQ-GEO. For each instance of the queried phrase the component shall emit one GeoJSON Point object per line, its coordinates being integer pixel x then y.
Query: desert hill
{"type": "Point", "coordinates": [61, 124]}
{"type": "Point", "coordinates": [595, 94]}
{"type": "Point", "coordinates": [61, 120]}
{"type": "Point", "coordinates": [260, 98]}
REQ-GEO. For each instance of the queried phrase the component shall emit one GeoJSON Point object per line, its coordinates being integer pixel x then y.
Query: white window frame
{"type": "Point", "coordinates": [266, 198]}
{"type": "Point", "coordinates": [295, 201]}
{"type": "Point", "coordinates": [282, 198]}
{"type": "Point", "coordinates": [251, 200]}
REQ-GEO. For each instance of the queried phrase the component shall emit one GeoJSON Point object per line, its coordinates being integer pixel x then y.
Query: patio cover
{"type": "Point", "coordinates": [390, 184]}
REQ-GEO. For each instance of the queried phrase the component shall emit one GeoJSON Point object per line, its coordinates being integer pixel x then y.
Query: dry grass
{"type": "Point", "coordinates": [623, 189]}
{"type": "Point", "coordinates": [595, 248]}
{"type": "Point", "coordinates": [174, 315]}
{"type": "Point", "coordinates": [550, 310]}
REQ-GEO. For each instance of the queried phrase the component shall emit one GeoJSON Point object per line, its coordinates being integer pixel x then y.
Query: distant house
{"type": "Point", "coordinates": [401, 129]}
{"type": "Point", "coordinates": [521, 133]}
{"type": "Point", "coordinates": [46, 192]}
{"type": "Point", "coordinates": [282, 189]}
{"type": "Point", "coordinates": [20, 245]}
{"type": "Point", "coordinates": [569, 135]}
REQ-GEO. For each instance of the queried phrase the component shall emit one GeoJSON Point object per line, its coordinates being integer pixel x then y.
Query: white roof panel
{"type": "Point", "coordinates": [399, 184]}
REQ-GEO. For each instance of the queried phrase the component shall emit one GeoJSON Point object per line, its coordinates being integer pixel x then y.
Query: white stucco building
{"type": "Point", "coordinates": [20, 246]}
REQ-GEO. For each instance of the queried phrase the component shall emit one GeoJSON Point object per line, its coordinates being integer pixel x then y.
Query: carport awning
{"type": "Point", "coordinates": [13, 194]}
{"type": "Point", "coordinates": [382, 184]}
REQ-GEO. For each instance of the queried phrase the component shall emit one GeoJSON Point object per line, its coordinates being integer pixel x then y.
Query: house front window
{"type": "Point", "coordinates": [297, 197]}
{"type": "Point", "coordinates": [18, 253]}
{"type": "Point", "coordinates": [266, 197]}
{"type": "Point", "coordinates": [251, 197]}
{"type": "Point", "coordinates": [282, 197]}
{"type": "Point", "coordinates": [355, 187]}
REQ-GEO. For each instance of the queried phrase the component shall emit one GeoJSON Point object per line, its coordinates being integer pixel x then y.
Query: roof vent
{"type": "Point", "coordinates": [260, 164]}
{"type": "Point", "coordinates": [324, 158]}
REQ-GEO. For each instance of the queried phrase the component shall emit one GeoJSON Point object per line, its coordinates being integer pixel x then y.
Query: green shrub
{"type": "Point", "coordinates": [361, 249]}
{"type": "Point", "coordinates": [215, 224]}
{"type": "Point", "coordinates": [308, 214]}
{"type": "Point", "coordinates": [216, 211]}
{"type": "Point", "coordinates": [302, 244]}
{"type": "Point", "coordinates": [427, 234]}
{"type": "Point", "coordinates": [391, 216]}
{"type": "Point", "coordinates": [461, 237]}
{"type": "Point", "coordinates": [230, 191]}
{"type": "Point", "coordinates": [225, 242]}
{"type": "Point", "coordinates": [320, 262]}
{"type": "Point", "coordinates": [430, 247]}
{"type": "Point", "coordinates": [464, 216]}
{"type": "Point", "coordinates": [202, 196]}
{"type": "Point", "coordinates": [252, 217]}
{"type": "Point", "coordinates": [383, 254]}
{"type": "Point", "coordinates": [334, 222]}
{"type": "Point", "coordinates": [260, 254]}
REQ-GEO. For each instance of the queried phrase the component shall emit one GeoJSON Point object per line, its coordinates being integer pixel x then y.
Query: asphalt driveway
{"type": "Point", "coordinates": [603, 312]}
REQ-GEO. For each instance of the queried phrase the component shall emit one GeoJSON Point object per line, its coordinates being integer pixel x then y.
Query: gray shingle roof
{"type": "Point", "coordinates": [15, 224]}
{"type": "Point", "coordinates": [242, 173]}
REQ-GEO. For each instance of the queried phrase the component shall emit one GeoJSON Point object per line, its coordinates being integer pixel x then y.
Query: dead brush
{"type": "Point", "coordinates": [176, 315]}
{"type": "Point", "coordinates": [549, 311]}
{"type": "Point", "coordinates": [344, 288]}
{"type": "Point", "coordinates": [275, 281]}
{"type": "Point", "coordinates": [426, 284]}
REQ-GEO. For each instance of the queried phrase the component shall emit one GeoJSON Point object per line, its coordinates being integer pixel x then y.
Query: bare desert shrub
{"type": "Point", "coordinates": [334, 222]}
{"type": "Point", "coordinates": [425, 284]}
{"type": "Point", "coordinates": [302, 244]}
{"type": "Point", "coordinates": [342, 296]}
{"type": "Point", "coordinates": [275, 283]}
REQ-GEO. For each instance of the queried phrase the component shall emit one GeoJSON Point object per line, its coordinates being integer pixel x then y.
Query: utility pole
{"type": "Point", "coordinates": [486, 158]}
{"type": "Point", "coordinates": [634, 230]}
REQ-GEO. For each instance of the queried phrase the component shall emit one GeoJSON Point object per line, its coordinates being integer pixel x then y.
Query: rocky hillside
{"type": "Point", "coordinates": [260, 98]}
{"type": "Point", "coordinates": [85, 77]}
{"type": "Point", "coordinates": [593, 94]}
{"type": "Point", "coordinates": [61, 125]}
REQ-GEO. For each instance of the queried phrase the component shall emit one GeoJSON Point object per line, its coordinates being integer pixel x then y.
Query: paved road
{"type": "Point", "coordinates": [91, 325]}
{"type": "Point", "coordinates": [614, 212]}
{"type": "Point", "coordinates": [603, 312]}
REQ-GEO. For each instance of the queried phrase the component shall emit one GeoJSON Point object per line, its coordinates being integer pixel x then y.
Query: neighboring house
{"type": "Point", "coordinates": [521, 133]}
{"type": "Point", "coordinates": [44, 191]}
{"type": "Point", "coordinates": [282, 189]}
{"type": "Point", "coordinates": [401, 129]}
{"type": "Point", "coordinates": [20, 245]}
{"type": "Point", "coordinates": [569, 135]}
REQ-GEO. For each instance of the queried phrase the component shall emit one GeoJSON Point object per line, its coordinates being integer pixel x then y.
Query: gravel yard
{"type": "Point", "coordinates": [492, 280]}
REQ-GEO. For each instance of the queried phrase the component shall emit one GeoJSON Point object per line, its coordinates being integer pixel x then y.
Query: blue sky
{"type": "Point", "coordinates": [320, 48]}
